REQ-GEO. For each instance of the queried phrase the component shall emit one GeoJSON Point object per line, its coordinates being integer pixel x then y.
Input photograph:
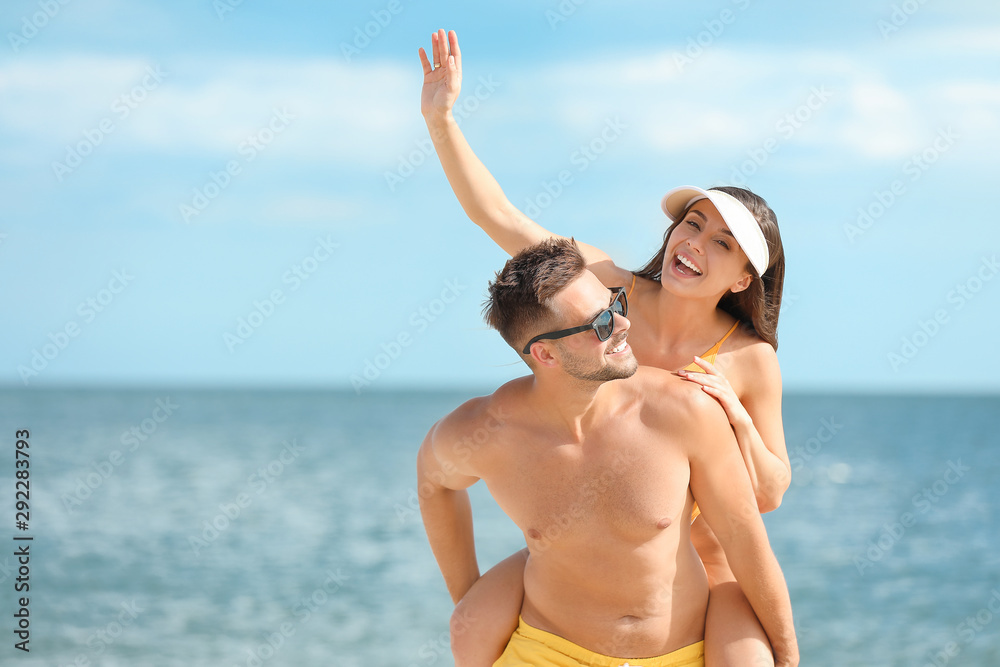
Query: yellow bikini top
{"type": "Point", "coordinates": [712, 352]}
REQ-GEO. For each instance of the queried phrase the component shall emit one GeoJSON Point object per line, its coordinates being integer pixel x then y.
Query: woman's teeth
{"type": "Point", "coordinates": [688, 263]}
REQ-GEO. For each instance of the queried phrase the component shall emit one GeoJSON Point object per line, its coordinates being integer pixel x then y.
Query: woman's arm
{"type": "Point", "coordinates": [478, 192]}
{"type": "Point", "coordinates": [763, 436]}
{"type": "Point", "coordinates": [756, 420]}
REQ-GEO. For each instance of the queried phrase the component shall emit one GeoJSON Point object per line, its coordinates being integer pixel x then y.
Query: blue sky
{"type": "Point", "coordinates": [241, 193]}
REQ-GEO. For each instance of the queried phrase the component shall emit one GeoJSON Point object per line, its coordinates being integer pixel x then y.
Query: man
{"type": "Point", "coordinates": [601, 478]}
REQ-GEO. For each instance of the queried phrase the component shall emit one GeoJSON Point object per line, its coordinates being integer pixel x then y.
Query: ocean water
{"type": "Point", "coordinates": [252, 528]}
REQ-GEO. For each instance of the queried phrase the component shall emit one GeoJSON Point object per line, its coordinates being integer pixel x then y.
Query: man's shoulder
{"type": "Point", "coordinates": [667, 396]}
{"type": "Point", "coordinates": [658, 386]}
{"type": "Point", "coordinates": [489, 413]}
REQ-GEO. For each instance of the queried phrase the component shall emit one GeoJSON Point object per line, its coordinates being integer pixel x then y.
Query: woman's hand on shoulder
{"type": "Point", "coordinates": [716, 385]}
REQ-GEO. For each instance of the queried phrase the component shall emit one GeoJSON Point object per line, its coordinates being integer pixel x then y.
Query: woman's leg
{"type": "Point", "coordinates": [733, 635]}
{"type": "Point", "coordinates": [487, 616]}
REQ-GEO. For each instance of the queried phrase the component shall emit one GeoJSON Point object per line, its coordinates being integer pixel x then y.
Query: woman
{"type": "Point", "coordinates": [714, 285]}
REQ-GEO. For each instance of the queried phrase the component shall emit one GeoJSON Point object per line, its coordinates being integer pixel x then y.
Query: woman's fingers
{"type": "Point", "coordinates": [455, 51]}
{"type": "Point", "coordinates": [706, 365]}
{"type": "Point", "coordinates": [704, 379]}
{"type": "Point", "coordinates": [443, 46]}
{"type": "Point", "coordinates": [715, 382]}
{"type": "Point", "coordinates": [443, 50]}
{"type": "Point", "coordinates": [423, 61]}
{"type": "Point", "coordinates": [718, 387]}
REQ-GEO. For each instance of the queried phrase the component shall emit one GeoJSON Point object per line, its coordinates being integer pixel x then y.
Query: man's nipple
{"type": "Point", "coordinates": [534, 534]}
{"type": "Point", "coordinates": [663, 523]}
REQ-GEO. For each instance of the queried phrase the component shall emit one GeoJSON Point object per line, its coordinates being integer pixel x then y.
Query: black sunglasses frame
{"type": "Point", "coordinates": [619, 297]}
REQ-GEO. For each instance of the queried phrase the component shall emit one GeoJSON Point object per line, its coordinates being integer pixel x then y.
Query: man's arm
{"type": "Point", "coordinates": [447, 514]}
{"type": "Point", "coordinates": [721, 486]}
{"type": "Point", "coordinates": [755, 416]}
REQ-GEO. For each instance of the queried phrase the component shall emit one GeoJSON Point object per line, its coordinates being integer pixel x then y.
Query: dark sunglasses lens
{"type": "Point", "coordinates": [604, 325]}
{"type": "Point", "coordinates": [620, 305]}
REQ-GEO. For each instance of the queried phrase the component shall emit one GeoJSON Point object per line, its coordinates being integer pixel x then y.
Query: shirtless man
{"type": "Point", "coordinates": [601, 477]}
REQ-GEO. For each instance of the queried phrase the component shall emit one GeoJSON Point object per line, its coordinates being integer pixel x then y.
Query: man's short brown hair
{"type": "Point", "coordinates": [518, 304]}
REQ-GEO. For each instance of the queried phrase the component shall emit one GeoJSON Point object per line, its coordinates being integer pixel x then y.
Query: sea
{"type": "Point", "coordinates": [263, 528]}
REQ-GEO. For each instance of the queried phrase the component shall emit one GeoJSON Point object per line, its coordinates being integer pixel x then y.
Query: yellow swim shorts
{"type": "Point", "coordinates": [531, 646]}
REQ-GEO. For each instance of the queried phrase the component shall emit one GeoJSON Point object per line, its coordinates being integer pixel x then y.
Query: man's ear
{"type": "Point", "coordinates": [542, 354]}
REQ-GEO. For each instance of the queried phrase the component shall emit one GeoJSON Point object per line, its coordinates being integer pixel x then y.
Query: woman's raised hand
{"type": "Point", "coordinates": [442, 76]}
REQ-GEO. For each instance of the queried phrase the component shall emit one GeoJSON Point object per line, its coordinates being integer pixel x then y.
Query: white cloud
{"type": "Point", "coordinates": [963, 41]}
{"type": "Point", "coordinates": [366, 115]}
{"type": "Point", "coordinates": [310, 209]}
{"type": "Point", "coordinates": [42, 95]}
{"type": "Point", "coordinates": [359, 114]}
{"type": "Point", "coordinates": [974, 93]}
{"type": "Point", "coordinates": [881, 122]}
{"type": "Point", "coordinates": [731, 99]}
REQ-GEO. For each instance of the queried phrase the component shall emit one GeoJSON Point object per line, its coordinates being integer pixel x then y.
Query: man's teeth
{"type": "Point", "coordinates": [686, 262]}
{"type": "Point", "coordinates": [621, 346]}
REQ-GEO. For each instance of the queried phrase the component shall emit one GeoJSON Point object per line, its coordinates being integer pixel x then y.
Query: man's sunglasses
{"type": "Point", "coordinates": [603, 325]}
